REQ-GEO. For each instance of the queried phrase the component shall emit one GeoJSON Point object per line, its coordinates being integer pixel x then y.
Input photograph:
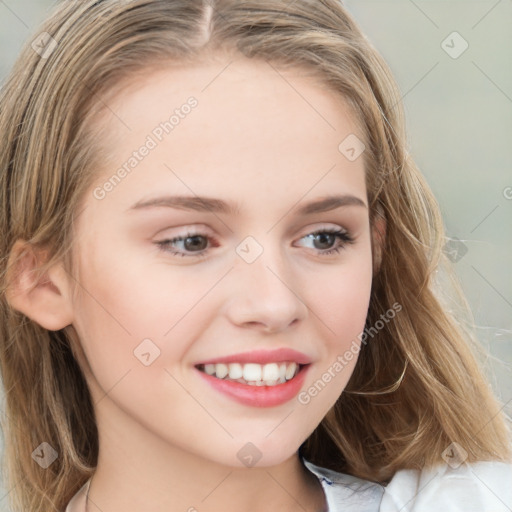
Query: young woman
{"type": "Point", "coordinates": [219, 274]}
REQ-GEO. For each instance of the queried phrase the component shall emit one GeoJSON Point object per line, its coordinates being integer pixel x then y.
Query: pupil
{"type": "Point", "coordinates": [194, 244]}
{"type": "Point", "coordinates": [322, 237]}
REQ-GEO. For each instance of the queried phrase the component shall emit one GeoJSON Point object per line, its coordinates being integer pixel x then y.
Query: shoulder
{"type": "Point", "coordinates": [478, 487]}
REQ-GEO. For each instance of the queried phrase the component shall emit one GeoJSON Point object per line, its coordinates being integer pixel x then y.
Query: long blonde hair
{"type": "Point", "coordinates": [416, 387]}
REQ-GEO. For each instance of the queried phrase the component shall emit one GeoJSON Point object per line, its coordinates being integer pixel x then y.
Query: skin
{"type": "Point", "coordinates": [255, 140]}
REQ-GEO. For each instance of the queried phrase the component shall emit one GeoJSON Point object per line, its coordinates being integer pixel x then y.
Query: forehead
{"type": "Point", "coordinates": [254, 130]}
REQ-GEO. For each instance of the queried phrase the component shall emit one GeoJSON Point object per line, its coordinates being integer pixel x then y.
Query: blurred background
{"type": "Point", "coordinates": [452, 61]}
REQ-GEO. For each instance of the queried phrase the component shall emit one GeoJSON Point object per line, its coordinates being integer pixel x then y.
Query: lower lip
{"type": "Point", "coordinates": [259, 396]}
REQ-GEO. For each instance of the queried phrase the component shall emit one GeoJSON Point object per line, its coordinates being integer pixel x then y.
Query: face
{"type": "Point", "coordinates": [254, 271]}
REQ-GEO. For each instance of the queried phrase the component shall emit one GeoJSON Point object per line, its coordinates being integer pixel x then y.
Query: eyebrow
{"type": "Point", "coordinates": [211, 205]}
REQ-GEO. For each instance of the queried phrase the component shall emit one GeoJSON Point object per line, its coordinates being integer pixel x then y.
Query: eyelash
{"type": "Point", "coordinates": [341, 235]}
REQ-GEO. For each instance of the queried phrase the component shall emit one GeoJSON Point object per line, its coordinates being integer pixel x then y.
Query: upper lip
{"type": "Point", "coordinates": [262, 357]}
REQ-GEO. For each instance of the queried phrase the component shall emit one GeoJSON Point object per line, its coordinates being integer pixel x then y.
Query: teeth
{"type": "Point", "coordinates": [270, 372]}
{"type": "Point", "coordinates": [221, 370]}
{"type": "Point", "coordinates": [235, 371]}
{"type": "Point", "coordinates": [254, 374]}
{"type": "Point", "coordinates": [209, 369]}
{"type": "Point", "coordinates": [290, 370]}
{"type": "Point", "coordinates": [252, 371]}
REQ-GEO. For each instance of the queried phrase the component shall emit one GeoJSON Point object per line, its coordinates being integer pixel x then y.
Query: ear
{"type": "Point", "coordinates": [378, 239]}
{"type": "Point", "coordinates": [43, 298]}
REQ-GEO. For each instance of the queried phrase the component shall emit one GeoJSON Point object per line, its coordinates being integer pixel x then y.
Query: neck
{"type": "Point", "coordinates": [140, 472]}
{"type": "Point", "coordinates": [287, 487]}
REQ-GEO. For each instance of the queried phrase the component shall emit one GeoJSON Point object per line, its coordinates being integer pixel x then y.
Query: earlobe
{"type": "Point", "coordinates": [43, 298]}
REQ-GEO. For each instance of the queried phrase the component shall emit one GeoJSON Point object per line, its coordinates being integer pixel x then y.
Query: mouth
{"type": "Point", "coordinates": [254, 374]}
{"type": "Point", "coordinates": [257, 378]}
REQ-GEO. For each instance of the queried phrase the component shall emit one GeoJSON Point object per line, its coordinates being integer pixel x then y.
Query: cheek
{"type": "Point", "coordinates": [340, 304]}
{"type": "Point", "coordinates": [341, 296]}
{"type": "Point", "coordinates": [128, 308]}
{"type": "Point", "coordinates": [352, 311]}
{"type": "Point", "coordinates": [115, 311]}
{"type": "Point", "coordinates": [133, 296]}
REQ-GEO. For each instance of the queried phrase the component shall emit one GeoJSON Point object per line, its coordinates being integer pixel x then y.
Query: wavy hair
{"type": "Point", "coordinates": [417, 385]}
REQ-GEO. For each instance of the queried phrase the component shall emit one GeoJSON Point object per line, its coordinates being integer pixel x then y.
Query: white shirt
{"type": "Point", "coordinates": [476, 487]}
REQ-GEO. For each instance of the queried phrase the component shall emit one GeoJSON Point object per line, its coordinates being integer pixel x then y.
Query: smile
{"type": "Point", "coordinates": [253, 374]}
{"type": "Point", "coordinates": [255, 385]}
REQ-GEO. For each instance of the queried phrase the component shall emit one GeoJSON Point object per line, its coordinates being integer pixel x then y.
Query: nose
{"type": "Point", "coordinates": [264, 295]}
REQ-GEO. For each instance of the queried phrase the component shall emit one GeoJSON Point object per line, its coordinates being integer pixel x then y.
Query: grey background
{"type": "Point", "coordinates": [459, 115]}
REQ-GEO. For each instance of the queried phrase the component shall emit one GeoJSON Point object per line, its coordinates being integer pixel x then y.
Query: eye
{"type": "Point", "coordinates": [328, 237]}
{"type": "Point", "coordinates": [195, 244]}
{"type": "Point", "coordinates": [191, 242]}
